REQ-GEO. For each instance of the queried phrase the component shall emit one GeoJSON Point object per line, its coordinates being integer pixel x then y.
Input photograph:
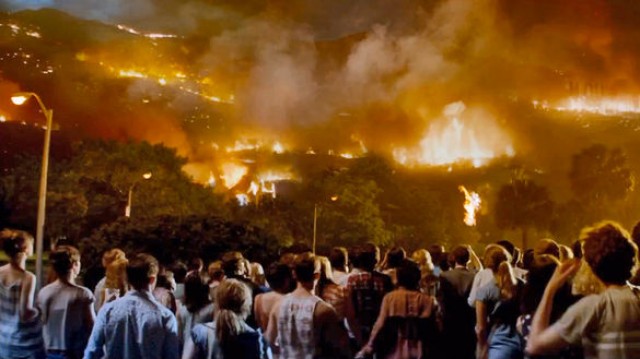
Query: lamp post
{"type": "Point", "coordinates": [315, 221]}
{"type": "Point", "coordinates": [19, 99]}
{"type": "Point", "coordinates": [127, 210]}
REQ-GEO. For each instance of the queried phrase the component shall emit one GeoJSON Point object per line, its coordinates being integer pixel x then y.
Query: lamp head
{"type": "Point", "coordinates": [147, 175]}
{"type": "Point", "coordinates": [20, 98]}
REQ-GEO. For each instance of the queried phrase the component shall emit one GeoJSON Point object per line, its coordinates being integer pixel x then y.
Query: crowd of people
{"type": "Point", "coordinates": [551, 301]}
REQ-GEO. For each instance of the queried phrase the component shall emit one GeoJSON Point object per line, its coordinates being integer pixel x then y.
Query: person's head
{"type": "Point", "coordinates": [215, 271]}
{"type": "Point", "coordinates": [528, 258]}
{"type": "Point", "coordinates": [366, 257]}
{"type": "Point", "coordinates": [233, 305]}
{"type": "Point", "coordinates": [306, 268]}
{"type": "Point", "coordinates": [142, 271]}
{"type": "Point", "coordinates": [512, 249]}
{"type": "Point", "coordinates": [609, 252]}
{"type": "Point", "coordinates": [436, 251]}
{"type": "Point", "coordinates": [279, 277]}
{"type": "Point", "coordinates": [166, 280]}
{"type": "Point", "coordinates": [257, 273]}
{"type": "Point", "coordinates": [339, 258]}
{"type": "Point", "coordinates": [195, 265]}
{"type": "Point", "coordinates": [547, 246]}
{"type": "Point", "coordinates": [499, 261]}
{"type": "Point", "coordinates": [395, 257]}
{"type": "Point", "coordinates": [423, 259]}
{"type": "Point", "coordinates": [326, 272]}
{"type": "Point", "coordinates": [233, 264]}
{"type": "Point", "coordinates": [65, 261]}
{"type": "Point", "coordinates": [540, 271]}
{"type": "Point", "coordinates": [111, 256]}
{"type": "Point", "coordinates": [494, 255]}
{"type": "Point", "coordinates": [461, 255]}
{"type": "Point", "coordinates": [408, 274]}
{"type": "Point", "coordinates": [179, 270]}
{"type": "Point", "coordinates": [196, 293]}
{"type": "Point", "coordinates": [16, 244]}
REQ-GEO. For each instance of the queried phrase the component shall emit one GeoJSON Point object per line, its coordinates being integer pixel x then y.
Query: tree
{"type": "Point", "coordinates": [599, 175]}
{"type": "Point", "coordinates": [523, 205]}
{"type": "Point", "coordinates": [173, 238]}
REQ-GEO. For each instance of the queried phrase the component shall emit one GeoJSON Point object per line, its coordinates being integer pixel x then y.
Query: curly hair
{"type": "Point", "coordinates": [609, 252]}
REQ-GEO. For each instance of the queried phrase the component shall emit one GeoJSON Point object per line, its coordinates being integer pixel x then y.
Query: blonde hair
{"type": "Point", "coordinates": [233, 305]}
{"type": "Point", "coordinates": [325, 267]}
{"type": "Point", "coordinates": [499, 261]}
{"type": "Point", "coordinates": [423, 258]}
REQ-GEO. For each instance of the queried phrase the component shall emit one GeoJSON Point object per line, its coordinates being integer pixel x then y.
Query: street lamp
{"type": "Point", "coordinates": [315, 221]}
{"type": "Point", "coordinates": [127, 210]}
{"type": "Point", "coordinates": [19, 99]}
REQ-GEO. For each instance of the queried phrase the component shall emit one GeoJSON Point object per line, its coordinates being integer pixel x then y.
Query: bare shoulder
{"type": "Point", "coordinates": [325, 311]}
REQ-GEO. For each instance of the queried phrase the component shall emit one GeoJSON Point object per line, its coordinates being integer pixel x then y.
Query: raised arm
{"type": "Point", "coordinates": [545, 339]}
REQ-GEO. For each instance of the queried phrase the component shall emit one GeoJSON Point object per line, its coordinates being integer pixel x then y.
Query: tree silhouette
{"type": "Point", "coordinates": [523, 205]}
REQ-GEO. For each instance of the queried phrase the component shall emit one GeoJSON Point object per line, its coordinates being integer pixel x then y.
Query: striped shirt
{"type": "Point", "coordinates": [607, 325]}
{"type": "Point", "coordinates": [18, 339]}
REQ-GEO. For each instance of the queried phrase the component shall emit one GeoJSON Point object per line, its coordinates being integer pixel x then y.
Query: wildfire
{"type": "Point", "coordinates": [471, 205]}
{"type": "Point", "coordinates": [606, 106]}
{"type": "Point", "coordinates": [278, 148]}
{"type": "Point", "coordinates": [150, 36]}
{"type": "Point", "coordinates": [232, 173]}
{"type": "Point", "coordinates": [474, 139]}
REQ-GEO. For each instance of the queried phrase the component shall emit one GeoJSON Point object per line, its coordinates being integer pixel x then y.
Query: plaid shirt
{"type": "Point", "coordinates": [366, 290]}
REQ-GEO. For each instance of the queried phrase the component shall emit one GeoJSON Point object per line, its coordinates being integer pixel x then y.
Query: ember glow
{"type": "Point", "coordinates": [606, 106]}
{"type": "Point", "coordinates": [471, 206]}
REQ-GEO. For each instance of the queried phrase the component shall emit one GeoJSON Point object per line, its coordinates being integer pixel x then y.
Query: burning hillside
{"type": "Point", "coordinates": [238, 88]}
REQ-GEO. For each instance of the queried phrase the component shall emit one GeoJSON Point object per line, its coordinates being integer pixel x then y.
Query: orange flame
{"type": "Point", "coordinates": [232, 173]}
{"type": "Point", "coordinates": [476, 139]}
{"type": "Point", "coordinates": [471, 205]}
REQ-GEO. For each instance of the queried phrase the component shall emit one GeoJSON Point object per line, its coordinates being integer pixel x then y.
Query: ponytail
{"type": "Point", "coordinates": [228, 325]}
{"type": "Point", "coordinates": [233, 305]}
{"type": "Point", "coordinates": [506, 281]}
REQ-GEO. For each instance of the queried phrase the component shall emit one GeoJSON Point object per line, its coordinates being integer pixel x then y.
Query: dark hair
{"type": "Point", "coordinates": [196, 293]}
{"type": "Point", "coordinates": [279, 277]}
{"type": "Point", "coordinates": [609, 252]}
{"type": "Point", "coordinates": [164, 279]}
{"type": "Point", "coordinates": [232, 262]}
{"type": "Point", "coordinates": [179, 270]}
{"type": "Point", "coordinates": [540, 271]}
{"type": "Point", "coordinates": [62, 259]}
{"type": "Point", "coordinates": [395, 257]}
{"type": "Point", "coordinates": [305, 266]}
{"type": "Point", "coordinates": [195, 264]}
{"type": "Point", "coordinates": [408, 274]}
{"type": "Point", "coordinates": [436, 251]}
{"type": "Point", "coordinates": [527, 258]}
{"type": "Point", "coordinates": [365, 257]}
{"type": "Point", "coordinates": [460, 255]}
{"type": "Point", "coordinates": [339, 257]}
{"type": "Point", "coordinates": [140, 268]}
{"type": "Point", "coordinates": [15, 242]}
{"type": "Point", "coordinates": [576, 247]}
